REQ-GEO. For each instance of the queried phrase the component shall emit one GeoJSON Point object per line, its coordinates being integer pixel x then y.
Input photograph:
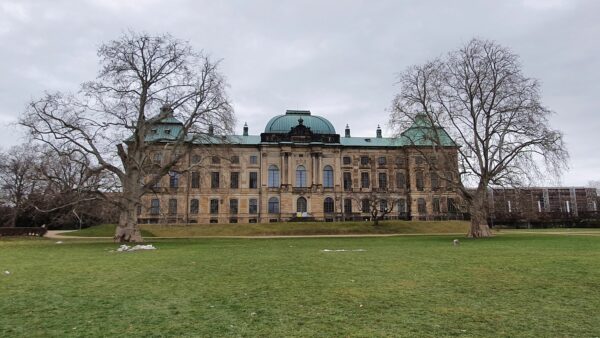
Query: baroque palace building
{"type": "Point", "coordinates": [299, 168]}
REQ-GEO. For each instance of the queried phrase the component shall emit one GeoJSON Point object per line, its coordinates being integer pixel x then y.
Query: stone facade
{"type": "Point", "coordinates": [299, 169]}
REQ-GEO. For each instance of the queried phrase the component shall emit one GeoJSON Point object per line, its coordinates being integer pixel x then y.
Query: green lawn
{"type": "Point", "coordinates": [285, 229]}
{"type": "Point", "coordinates": [510, 285]}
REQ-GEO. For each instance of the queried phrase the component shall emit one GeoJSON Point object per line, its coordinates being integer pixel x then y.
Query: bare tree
{"type": "Point", "coordinates": [377, 203]}
{"type": "Point", "coordinates": [18, 178]}
{"type": "Point", "coordinates": [108, 121]}
{"type": "Point", "coordinates": [491, 113]}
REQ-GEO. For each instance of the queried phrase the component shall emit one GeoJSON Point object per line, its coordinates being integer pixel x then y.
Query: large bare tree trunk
{"type": "Point", "coordinates": [128, 229]}
{"type": "Point", "coordinates": [479, 226]}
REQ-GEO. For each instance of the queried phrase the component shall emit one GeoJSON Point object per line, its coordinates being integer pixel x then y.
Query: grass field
{"type": "Point", "coordinates": [284, 229]}
{"type": "Point", "coordinates": [510, 285]}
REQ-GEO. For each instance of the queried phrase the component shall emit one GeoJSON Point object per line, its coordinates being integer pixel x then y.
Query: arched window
{"type": "Point", "coordinates": [301, 205]}
{"type": "Point", "coordinates": [273, 205]}
{"type": "Point", "coordinates": [328, 177]}
{"type": "Point", "coordinates": [328, 205]}
{"type": "Point", "coordinates": [194, 206]}
{"type": "Point", "coordinates": [301, 176]}
{"type": "Point", "coordinates": [273, 176]}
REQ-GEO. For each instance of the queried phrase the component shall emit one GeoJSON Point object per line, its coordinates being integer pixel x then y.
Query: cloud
{"type": "Point", "coordinates": [335, 58]}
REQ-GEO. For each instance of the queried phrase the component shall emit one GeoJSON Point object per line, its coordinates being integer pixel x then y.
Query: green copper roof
{"type": "Point", "coordinates": [423, 133]}
{"type": "Point", "coordinates": [370, 142]}
{"type": "Point", "coordinates": [284, 123]}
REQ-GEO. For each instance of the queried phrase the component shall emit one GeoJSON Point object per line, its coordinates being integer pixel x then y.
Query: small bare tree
{"type": "Point", "coordinates": [491, 112]}
{"type": "Point", "coordinates": [377, 203]}
{"type": "Point", "coordinates": [108, 120]}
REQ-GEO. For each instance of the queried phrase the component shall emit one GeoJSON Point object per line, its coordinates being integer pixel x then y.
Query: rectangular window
{"type": "Point", "coordinates": [366, 205]}
{"type": "Point", "coordinates": [449, 179]}
{"type": "Point", "coordinates": [383, 206]}
{"type": "Point", "coordinates": [347, 181]}
{"type": "Point", "coordinates": [172, 206]}
{"type": "Point", "coordinates": [235, 159]}
{"type": "Point", "coordinates": [154, 206]}
{"type": "Point", "coordinates": [253, 206]}
{"type": "Point", "coordinates": [194, 206]}
{"type": "Point", "coordinates": [347, 160]}
{"type": "Point", "coordinates": [234, 180]}
{"type": "Point", "coordinates": [216, 160]}
{"type": "Point", "coordinates": [436, 205]}
{"type": "Point", "coordinates": [157, 158]}
{"type": "Point", "coordinates": [435, 181]}
{"type": "Point", "coordinates": [419, 180]}
{"type": "Point", "coordinates": [401, 206]}
{"type": "Point", "coordinates": [451, 206]}
{"type": "Point", "coordinates": [400, 180]}
{"type": "Point", "coordinates": [382, 181]}
{"type": "Point", "coordinates": [253, 159]}
{"type": "Point", "coordinates": [214, 179]}
{"type": "Point", "coordinates": [195, 180]}
{"type": "Point", "coordinates": [382, 160]}
{"type": "Point", "coordinates": [364, 180]}
{"type": "Point", "coordinates": [419, 160]}
{"type": "Point", "coordinates": [173, 180]}
{"type": "Point", "coordinates": [421, 206]}
{"type": "Point", "coordinates": [348, 206]}
{"type": "Point", "coordinates": [364, 160]}
{"type": "Point", "coordinates": [233, 206]}
{"type": "Point", "coordinates": [214, 206]}
{"type": "Point", "coordinates": [253, 182]}
{"type": "Point", "coordinates": [196, 159]}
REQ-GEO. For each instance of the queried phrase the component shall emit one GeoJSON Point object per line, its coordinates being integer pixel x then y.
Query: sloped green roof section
{"type": "Point", "coordinates": [229, 139]}
{"type": "Point", "coordinates": [284, 123]}
{"type": "Point", "coordinates": [164, 128]}
{"type": "Point", "coordinates": [370, 142]}
{"type": "Point", "coordinates": [423, 133]}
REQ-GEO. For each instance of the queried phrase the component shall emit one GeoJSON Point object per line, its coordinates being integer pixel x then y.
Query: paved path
{"type": "Point", "coordinates": [57, 234]}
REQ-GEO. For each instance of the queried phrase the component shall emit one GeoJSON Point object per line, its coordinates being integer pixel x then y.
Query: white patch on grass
{"type": "Point", "coordinates": [343, 250]}
{"type": "Point", "coordinates": [127, 248]}
{"type": "Point", "coordinates": [7, 272]}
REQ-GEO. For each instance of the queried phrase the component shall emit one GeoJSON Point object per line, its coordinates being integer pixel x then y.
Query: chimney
{"type": "Point", "coordinates": [166, 111]}
{"type": "Point", "coordinates": [378, 131]}
{"type": "Point", "coordinates": [245, 128]}
{"type": "Point", "coordinates": [347, 134]}
{"type": "Point", "coordinates": [211, 130]}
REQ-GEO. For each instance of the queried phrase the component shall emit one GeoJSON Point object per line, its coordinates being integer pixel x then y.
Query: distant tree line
{"type": "Point", "coordinates": [38, 188]}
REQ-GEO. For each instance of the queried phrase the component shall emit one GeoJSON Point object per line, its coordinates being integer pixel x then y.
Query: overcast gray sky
{"type": "Point", "coordinates": [338, 59]}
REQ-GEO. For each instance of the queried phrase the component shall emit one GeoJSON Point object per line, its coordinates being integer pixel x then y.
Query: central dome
{"type": "Point", "coordinates": [282, 124]}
